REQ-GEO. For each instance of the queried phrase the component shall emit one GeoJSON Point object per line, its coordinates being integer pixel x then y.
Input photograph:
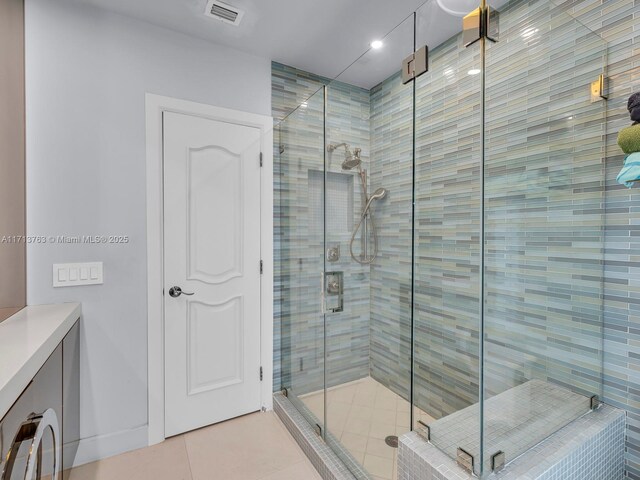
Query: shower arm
{"type": "Point", "coordinates": [331, 147]}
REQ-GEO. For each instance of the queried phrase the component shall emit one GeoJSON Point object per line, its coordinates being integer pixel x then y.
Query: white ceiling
{"type": "Point", "coordinates": [319, 36]}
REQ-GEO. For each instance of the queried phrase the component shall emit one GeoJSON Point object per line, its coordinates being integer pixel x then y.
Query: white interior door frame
{"type": "Point", "coordinates": [155, 106]}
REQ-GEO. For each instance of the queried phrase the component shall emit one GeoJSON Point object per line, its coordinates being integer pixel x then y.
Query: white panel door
{"type": "Point", "coordinates": [211, 251]}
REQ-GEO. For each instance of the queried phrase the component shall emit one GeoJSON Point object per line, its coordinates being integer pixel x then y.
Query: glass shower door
{"type": "Point", "coordinates": [369, 223]}
{"type": "Point", "coordinates": [300, 245]}
{"type": "Point", "coordinates": [544, 227]}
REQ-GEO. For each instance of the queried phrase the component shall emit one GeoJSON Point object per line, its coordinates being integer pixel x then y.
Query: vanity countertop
{"type": "Point", "coordinates": [27, 339]}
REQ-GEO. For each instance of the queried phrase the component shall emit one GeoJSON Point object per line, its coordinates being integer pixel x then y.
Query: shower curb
{"type": "Point", "coordinates": [328, 464]}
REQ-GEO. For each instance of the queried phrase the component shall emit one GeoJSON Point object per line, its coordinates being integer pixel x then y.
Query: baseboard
{"type": "Point", "coordinates": [102, 446]}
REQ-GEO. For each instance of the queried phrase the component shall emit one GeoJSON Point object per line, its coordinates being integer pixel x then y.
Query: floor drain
{"type": "Point", "coordinates": [392, 441]}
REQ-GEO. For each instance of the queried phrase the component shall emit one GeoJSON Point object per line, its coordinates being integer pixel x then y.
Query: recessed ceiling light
{"type": "Point", "coordinates": [376, 44]}
{"type": "Point", "coordinates": [475, 71]}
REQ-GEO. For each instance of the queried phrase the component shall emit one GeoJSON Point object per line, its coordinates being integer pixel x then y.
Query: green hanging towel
{"type": "Point", "coordinates": [629, 139]}
{"type": "Point", "coordinates": [630, 173]}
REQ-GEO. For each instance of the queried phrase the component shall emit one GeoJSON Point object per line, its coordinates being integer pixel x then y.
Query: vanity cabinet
{"type": "Point", "coordinates": [39, 434]}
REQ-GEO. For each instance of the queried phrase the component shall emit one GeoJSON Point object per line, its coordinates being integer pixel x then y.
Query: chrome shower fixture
{"type": "Point", "coordinates": [379, 194]}
{"type": "Point", "coordinates": [353, 160]}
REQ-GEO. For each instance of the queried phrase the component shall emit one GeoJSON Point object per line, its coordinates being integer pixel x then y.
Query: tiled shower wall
{"type": "Point", "coordinates": [300, 231]}
{"type": "Point", "coordinates": [618, 23]}
{"type": "Point", "coordinates": [450, 382]}
{"type": "Point", "coordinates": [544, 164]}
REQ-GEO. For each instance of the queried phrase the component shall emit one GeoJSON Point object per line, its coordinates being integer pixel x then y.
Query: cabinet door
{"type": "Point", "coordinates": [43, 393]}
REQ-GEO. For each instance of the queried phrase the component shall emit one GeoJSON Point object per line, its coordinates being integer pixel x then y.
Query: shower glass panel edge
{"type": "Point", "coordinates": [301, 256]}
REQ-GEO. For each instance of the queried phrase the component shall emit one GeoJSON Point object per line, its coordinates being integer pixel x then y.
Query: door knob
{"type": "Point", "coordinates": [175, 292]}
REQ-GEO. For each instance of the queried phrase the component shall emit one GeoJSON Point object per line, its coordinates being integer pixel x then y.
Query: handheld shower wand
{"type": "Point", "coordinates": [379, 194]}
{"type": "Point", "coordinates": [353, 160]}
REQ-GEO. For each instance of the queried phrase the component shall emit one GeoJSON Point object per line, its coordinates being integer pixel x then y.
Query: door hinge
{"type": "Point", "coordinates": [415, 65]}
{"type": "Point", "coordinates": [599, 89]}
{"type": "Point", "coordinates": [481, 23]}
{"type": "Point", "coordinates": [260, 373]}
{"type": "Point", "coordinates": [261, 267]}
{"type": "Point", "coordinates": [260, 158]}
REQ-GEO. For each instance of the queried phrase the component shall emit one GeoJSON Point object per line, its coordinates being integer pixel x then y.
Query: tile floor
{"type": "Point", "coordinates": [361, 414]}
{"type": "Point", "coordinates": [253, 447]}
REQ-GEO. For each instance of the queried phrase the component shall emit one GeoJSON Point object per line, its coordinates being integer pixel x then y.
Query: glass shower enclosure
{"type": "Point", "coordinates": [439, 239]}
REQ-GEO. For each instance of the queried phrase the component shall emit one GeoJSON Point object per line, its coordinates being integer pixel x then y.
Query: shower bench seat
{"type": "Point", "coordinates": [539, 428]}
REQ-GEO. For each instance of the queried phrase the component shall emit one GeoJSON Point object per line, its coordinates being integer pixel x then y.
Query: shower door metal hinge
{"type": "Point", "coordinates": [415, 65]}
{"type": "Point", "coordinates": [498, 461]}
{"type": "Point", "coordinates": [481, 23]}
{"type": "Point", "coordinates": [595, 402]}
{"type": "Point", "coordinates": [261, 267]}
{"type": "Point", "coordinates": [260, 373]}
{"type": "Point", "coordinates": [599, 89]}
{"type": "Point", "coordinates": [424, 431]}
{"type": "Point", "coordinates": [318, 430]}
{"type": "Point", "coordinates": [260, 158]}
{"type": "Point", "coordinates": [285, 392]}
{"type": "Point", "coordinates": [465, 460]}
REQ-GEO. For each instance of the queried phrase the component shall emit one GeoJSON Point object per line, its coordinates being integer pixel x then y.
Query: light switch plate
{"type": "Point", "coordinates": [77, 274]}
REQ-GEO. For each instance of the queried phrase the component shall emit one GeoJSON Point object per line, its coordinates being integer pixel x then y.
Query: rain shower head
{"type": "Point", "coordinates": [351, 160]}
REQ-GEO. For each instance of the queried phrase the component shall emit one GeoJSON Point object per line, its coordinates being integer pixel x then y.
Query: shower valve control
{"type": "Point", "coordinates": [332, 292]}
{"type": "Point", "coordinates": [333, 253]}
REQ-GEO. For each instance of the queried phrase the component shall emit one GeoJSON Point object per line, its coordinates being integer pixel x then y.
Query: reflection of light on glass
{"type": "Point", "coordinates": [450, 11]}
{"type": "Point", "coordinates": [474, 71]}
{"type": "Point", "coordinates": [529, 32]}
{"type": "Point", "coordinates": [448, 72]}
{"type": "Point", "coordinates": [304, 105]}
{"type": "Point", "coordinates": [376, 44]}
{"type": "Point", "coordinates": [569, 118]}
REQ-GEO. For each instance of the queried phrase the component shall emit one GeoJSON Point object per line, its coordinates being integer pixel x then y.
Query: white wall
{"type": "Point", "coordinates": [87, 75]}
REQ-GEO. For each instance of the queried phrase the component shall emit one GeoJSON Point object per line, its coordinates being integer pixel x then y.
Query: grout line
{"type": "Point", "coordinates": [186, 451]}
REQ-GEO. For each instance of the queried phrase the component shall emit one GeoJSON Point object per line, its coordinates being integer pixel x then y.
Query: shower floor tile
{"type": "Point", "coordinates": [361, 415]}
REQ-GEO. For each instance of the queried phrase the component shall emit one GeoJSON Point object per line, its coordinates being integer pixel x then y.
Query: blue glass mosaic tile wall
{"type": "Point", "coordinates": [450, 383]}
{"type": "Point", "coordinates": [299, 229]}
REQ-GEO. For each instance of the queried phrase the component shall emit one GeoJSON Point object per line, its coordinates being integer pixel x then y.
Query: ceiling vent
{"type": "Point", "coordinates": [223, 12]}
